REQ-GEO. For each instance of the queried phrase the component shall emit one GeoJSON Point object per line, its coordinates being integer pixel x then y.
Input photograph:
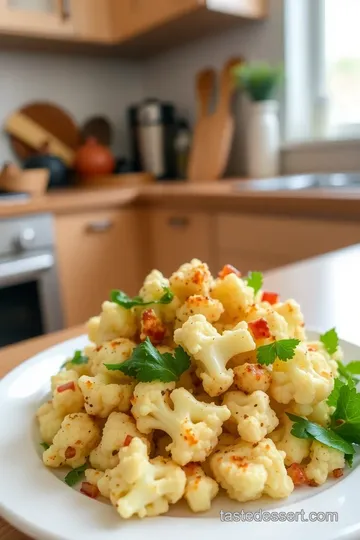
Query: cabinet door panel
{"type": "Point", "coordinates": [50, 18]}
{"type": "Point", "coordinates": [97, 252]}
{"type": "Point", "coordinates": [178, 237]}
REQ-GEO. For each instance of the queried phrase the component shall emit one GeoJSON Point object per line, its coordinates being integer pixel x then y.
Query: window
{"type": "Point", "coordinates": [342, 65]}
{"type": "Point", "coordinates": [322, 60]}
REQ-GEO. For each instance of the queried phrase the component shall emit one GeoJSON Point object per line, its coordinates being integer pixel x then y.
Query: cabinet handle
{"type": "Point", "coordinates": [178, 222]}
{"type": "Point", "coordinates": [63, 9]}
{"type": "Point", "coordinates": [99, 226]}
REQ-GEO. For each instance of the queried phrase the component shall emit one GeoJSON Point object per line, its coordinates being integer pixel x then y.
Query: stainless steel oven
{"type": "Point", "coordinates": [29, 293]}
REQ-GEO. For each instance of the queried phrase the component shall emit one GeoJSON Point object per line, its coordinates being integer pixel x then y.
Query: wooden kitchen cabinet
{"type": "Point", "coordinates": [253, 242]}
{"type": "Point", "coordinates": [177, 237]}
{"type": "Point", "coordinates": [147, 27]}
{"type": "Point", "coordinates": [97, 252]}
{"type": "Point", "coordinates": [42, 18]}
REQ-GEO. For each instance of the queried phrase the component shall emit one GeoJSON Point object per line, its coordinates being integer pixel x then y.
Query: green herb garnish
{"type": "Point", "coordinates": [304, 429]}
{"type": "Point", "coordinates": [330, 340]}
{"type": "Point", "coordinates": [254, 280]}
{"type": "Point", "coordinates": [45, 445]}
{"type": "Point", "coordinates": [77, 360]}
{"type": "Point", "coordinates": [76, 475]}
{"type": "Point", "coordinates": [123, 300]}
{"type": "Point", "coordinates": [147, 364]}
{"type": "Point", "coordinates": [284, 349]}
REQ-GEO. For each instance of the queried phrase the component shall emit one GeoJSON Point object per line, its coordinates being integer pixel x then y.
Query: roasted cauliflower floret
{"type": "Point", "coordinates": [143, 487]}
{"type": "Point", "coordinates": [102, 398]}
{"type": "Point", "coordinates": [235, 296]}
{"type": "Point", "coordinates": [118, 431]}
{"type": "Point", "coordinates": [111, 352]}
{"type": "Point", "coordinates": [193, 426]}
{"type": "Point", "coordinates": [200, 489]}
{"type": "Point", "coordinates": [114, 322]}
{"type": "Point", "coordinates": [190, 279]}
{"type": "Point", "coordinates": [67, 397]}
{"type": "Point", "coordinates": [152, 327]}
{"type": "Point", "coordinates": [306, 378]}
{"type": "Point", "coordinates": [93, 476]}
{"type": "Point", "coordinates": [324, 461]}
{"type": "Point", "coordinates": [252, 414]}
{"type": "Point", "coordinates": [211, 308]}
{"type": "Point", "coordinates": [212, 351]}
{"type": "Point", "coordinates": [248, 471]}
{"type": "Point", "coordinates": [291, 312]}
{"type": "Point", "coordinates": [266, 325]}
{"type": "Point", "coordinates": [317, 346]}
{"type": "Point", "coordinates": [154, 288]}
{"type": "Point", "coordinates": [296, 450]}
{"type": "Point", "coordinates": [251, 377]}
{"type": "Point", "coordinates": [49, 421]}
{"type": "Point", "coordinates": [77, 436]}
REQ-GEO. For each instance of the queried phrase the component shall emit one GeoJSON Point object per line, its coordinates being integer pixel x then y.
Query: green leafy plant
{"type": "Point", "coordinates": [259, 80]}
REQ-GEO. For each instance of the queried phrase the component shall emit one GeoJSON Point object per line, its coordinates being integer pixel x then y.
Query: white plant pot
{"type": "Point", "coordinates": [263, 140]}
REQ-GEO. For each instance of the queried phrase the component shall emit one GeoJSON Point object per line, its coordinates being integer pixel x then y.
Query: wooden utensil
{"type": "Point", "coordinates": [36, 137]}
{"type": "Point", "coordinates": [204, 86]}
{"type": "Point", "coordinates": [54, 120]}
{"type": "Point", "coordinates": [213, 144]}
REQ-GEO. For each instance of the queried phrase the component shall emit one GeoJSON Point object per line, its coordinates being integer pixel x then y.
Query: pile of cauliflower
{"type": "Point", "coordinates": [222, 424]}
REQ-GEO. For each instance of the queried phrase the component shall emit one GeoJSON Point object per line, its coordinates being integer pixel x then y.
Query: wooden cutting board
{"type": "Point", "coordinates": [53, 119]}
{"type": "Point", "coordinates": [214, 132]}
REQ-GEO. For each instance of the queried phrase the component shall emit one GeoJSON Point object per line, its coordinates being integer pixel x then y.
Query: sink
{"type": "Point", "coordinates": [301, 181]}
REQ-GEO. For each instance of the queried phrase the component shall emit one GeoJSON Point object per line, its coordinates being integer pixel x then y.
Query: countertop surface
{"type": "Point", "coordinates": [221, 195]}
{"type": "Point", "coordinates": [327, 288]}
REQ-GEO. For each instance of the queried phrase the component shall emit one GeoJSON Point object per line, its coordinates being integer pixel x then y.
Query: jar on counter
{"type": "Point", "coordinates": [182, 144]}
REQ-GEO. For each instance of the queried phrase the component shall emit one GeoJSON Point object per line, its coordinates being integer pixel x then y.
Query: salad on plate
{"type": "Point", "coordinates": [200, 384]}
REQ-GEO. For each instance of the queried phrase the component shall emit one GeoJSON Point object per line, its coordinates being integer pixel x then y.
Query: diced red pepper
{"type": "Point", "coordinates": [270, 297]}
{"type": "Point", "coordinates": [297, 474]}
{"type": "Point", "coordinates": [89, 490]}
{"type": "Point", "coordinates": [128, 440]}
{"type": "Point", "coordinates": [228, 269]}
{"type": "Point", "coordinates": [70, 452]}
{"type": "Point", "coordinates": [259, 329]}
{"type": "Point", "coordinates": [67, 386]}
{"type": "Point", "coordinates": [338, 473]}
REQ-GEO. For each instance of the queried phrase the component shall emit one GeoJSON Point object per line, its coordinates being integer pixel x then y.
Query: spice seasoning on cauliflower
{"type": "Point", "coordinates": [72, 444]}
{"type": "Point", "coordinates": [199, 305]}
{"type": "Point", "coordinates": [182, 388]}
{"type": "Point", "coordinates": [142, 486]}
{"type": "Point", "coordinates": [252, 377]}
{"type": "Point", "coordinates": [323, 462]}
{"type": "Point", "coordinates": [212, 350]}
{"type": "Point", "coordinates": [252, 414]}
{"type": "Point", "coordinates": [193, 426]}
{"type": "Point", "coordinates": [191, 278]}
{"type": "Point", "coordinates": [200, 489]}
{"type": "Point", "coordinates": [118, 429]}
{"type": "Point", "coordinates": [102, 398]}
{"type": "Point", "coordinates": [247, 471]}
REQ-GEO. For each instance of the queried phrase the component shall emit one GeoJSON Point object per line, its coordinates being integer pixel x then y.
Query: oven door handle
{"type": "Point", "coordinates": [26, 269]}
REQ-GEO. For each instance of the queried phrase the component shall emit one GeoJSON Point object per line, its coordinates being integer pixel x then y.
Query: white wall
{"type": "Point", "coordinates": [83, 85]}
{"type": "Point", "coordinates": [171, 76]}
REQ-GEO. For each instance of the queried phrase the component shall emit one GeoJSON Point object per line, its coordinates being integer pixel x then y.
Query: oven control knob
{"type": "Point", "coordinates": [26, 238]}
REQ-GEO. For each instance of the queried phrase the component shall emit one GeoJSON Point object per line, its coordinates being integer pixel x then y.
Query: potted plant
{"type": "Point", "coordinates": [260, 81]}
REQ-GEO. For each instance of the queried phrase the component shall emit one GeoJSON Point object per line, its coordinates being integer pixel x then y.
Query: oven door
{"type": "Point", "coordinates": [29, 297]}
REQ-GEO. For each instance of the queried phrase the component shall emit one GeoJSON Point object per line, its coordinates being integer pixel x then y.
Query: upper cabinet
{"type": "Point", "coordinates": [134, 28]}
{"type": "Point", "coordinates": [42, 18]}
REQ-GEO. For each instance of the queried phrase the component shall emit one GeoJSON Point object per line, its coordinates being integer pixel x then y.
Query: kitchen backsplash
{"type": "Point", "coordinates": [85, 86]}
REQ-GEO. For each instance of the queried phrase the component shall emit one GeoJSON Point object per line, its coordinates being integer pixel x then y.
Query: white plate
{"type": "Point", "coordinates": [35, 500]}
